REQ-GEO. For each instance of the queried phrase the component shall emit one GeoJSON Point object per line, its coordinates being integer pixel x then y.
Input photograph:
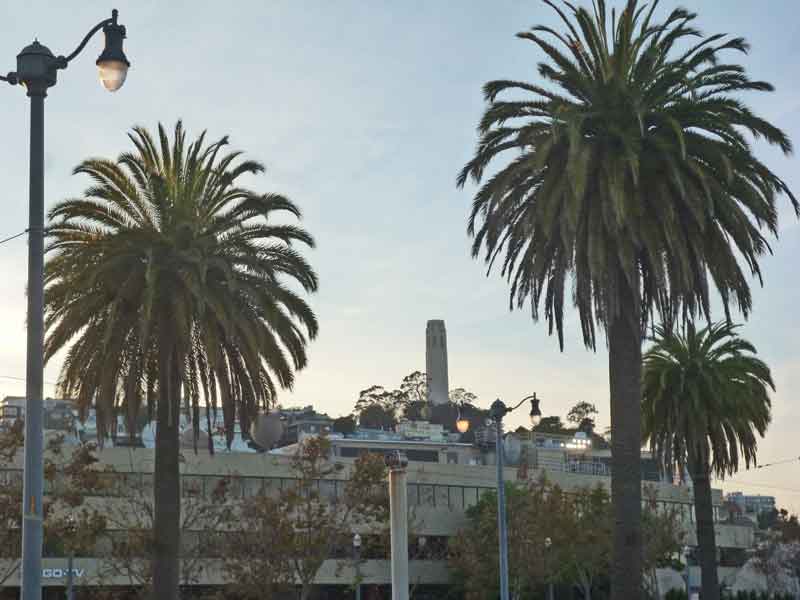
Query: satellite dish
{"type": "Point", "coordinates": [267, 429]}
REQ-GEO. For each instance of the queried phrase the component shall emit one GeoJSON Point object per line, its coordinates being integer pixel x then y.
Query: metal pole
{"type": "Point", "coordinates": [34, 405]}
{"type": "Point", "coordinates": [398, 509]}
{"type": "Point", "coordinates": [357, 553]}
{"type": "Point", "coordinates": [70, 587]}
{"type": "Point", "coordinates": [501, 511]}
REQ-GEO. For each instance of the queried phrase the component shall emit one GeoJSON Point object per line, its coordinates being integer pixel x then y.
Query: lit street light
{"type": "Point", "coordinates": [497, 411]}
{"type": "Point", "coordinates": [37, 69]}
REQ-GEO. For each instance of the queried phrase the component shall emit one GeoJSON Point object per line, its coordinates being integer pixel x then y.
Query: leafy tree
{"type": "Point", "coordinates": [580, 415]}
{"type": "Point", "coordinates": [171, 282]}
{"type": "Point", "coordinates": [255, 562]}
{"type": "Point", "coordinates": [304, 524]}
{"type": "Point", "coordinates": [346, 424]}
{"type": "Point", "coordinates": [579, 526]}
{"type": "Point", "coordinates": [130, 521]}
{"type": "Point", "coordinates": [705, 396]}
{"type": "Point", "coordinates": [417, 411]}
{"type": "Point", "coordinates": [787, 526]}
{"type": "Point", "coordinates": [375, 416]}
{"type": "Point", "coordinates": [767, 519]}
{"type": "Point", "coordinates": [628, 184]}
{"type": "Point", "coordinates": [414, 388]}
{"type": "Point", "coordinates": [552, 424]}
{"type": "Point", "coordinates": [409, 400]}
{"type": "Point", "coordinates": [462, 396]}
{"type": "Point", "coordinates": [70, 522]}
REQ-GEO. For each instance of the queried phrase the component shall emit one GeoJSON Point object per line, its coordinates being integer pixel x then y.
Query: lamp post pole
{"type": "Point", "coordinates": [547, 544]}
{"type": "Point", "coordinates": [70, 585]}
{"type": "Point", "coordinates": [357, 559]}
{"type": "Point", "coordinates": [70, 531]}
{"type": "Point", "coordinates": [497, 411]}
{"type": "Point", "coordinates": [37, 70]}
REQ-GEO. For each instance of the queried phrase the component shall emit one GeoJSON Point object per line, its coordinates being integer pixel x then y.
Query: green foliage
{"type": "Point", "coordinates": [379, 408]}
{"type": "Point", "coordinates": [551, 424]}
{"type": "Point", "coordinates": [346, 424]}
{"type": "Point", "coordinates": [578, 525]}
{"type": "Point", "coordinates": [167, 253]}
{"type": "Point", "coordinates": [581, 411]}
{"type": "Point", "coordinates": [629, 166]}
{"type": "Point", "coordinates": [286, 538]}
{"type": "Point", "coordinates": [676, 594]}
{"type": "Point", "coordinates": [375, 416]}
{"type": "Point", "coordinates": [705, 397]}
{"type": "Point", "coordinates": [71, 524]}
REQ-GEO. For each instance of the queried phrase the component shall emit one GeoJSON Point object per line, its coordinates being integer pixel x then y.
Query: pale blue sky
{"type": "Point", "coordinates": [363, 113]}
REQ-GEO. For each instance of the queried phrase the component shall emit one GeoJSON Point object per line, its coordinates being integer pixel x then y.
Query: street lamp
{"type": "Point", "coordinates": [70, 531]}
{"type": "Point", "coordinates": [37, 68]}
{"type": "Point", "coordinates": [547, 544]}
{"type": "Point", "coordinates": [497, 411]}
{"type": "Point", "coordinates": [462, 422]}
{"type": "Point", "coordinates": [357, 558]}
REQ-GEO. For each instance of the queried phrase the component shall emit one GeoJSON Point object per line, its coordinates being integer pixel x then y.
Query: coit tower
{"type": "Point", "coordinates": [436, 362]}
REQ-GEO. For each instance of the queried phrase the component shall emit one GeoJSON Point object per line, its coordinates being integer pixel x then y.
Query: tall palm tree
{"type": "Point", "coordinates": [628, 180]}
{"type": "Point", "coordinates": [705, 396]}
{"type": "Point", "coordinates": [174, 287]}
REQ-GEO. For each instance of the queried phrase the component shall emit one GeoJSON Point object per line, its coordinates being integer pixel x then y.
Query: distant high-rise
{"type": "Point", "coordinates": [436, 362]}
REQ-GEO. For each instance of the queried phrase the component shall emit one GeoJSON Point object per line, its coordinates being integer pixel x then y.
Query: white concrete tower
{"type": "Point", "coordinates": [436, 362]}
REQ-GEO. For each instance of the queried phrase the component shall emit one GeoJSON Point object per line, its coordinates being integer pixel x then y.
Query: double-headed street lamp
{"type": "Point", "coordinates": [497, 411]}
{"type": "Point", "coordinates": [37, 69]}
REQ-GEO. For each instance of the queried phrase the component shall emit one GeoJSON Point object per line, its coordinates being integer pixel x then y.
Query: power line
{"type": "Point", "coordinates": [774, 487]}
{"type": "Point", "coordinates": [23, 379]}
{"type": "Point", "coordinates": [13, 237]}
{"type": "Point", "coordinates": [778, 462]}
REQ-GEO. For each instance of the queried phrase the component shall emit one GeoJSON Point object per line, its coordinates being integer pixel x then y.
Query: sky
{"type": "Point", "coordinates": [363, 113]}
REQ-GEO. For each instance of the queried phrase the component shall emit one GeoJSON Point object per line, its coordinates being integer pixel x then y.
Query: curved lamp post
{"type": "Point", "coordinates": [497, 411]}
{"type": "Point", "coordinates": [37, 68]}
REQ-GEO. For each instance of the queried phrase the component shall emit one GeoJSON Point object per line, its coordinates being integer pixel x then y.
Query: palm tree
{"type": "Point", "coordinates": [630, 183]}
{"type": "Point", "coordinates": [174, 287]}
{"type": "Point", "coordinates": [705, 395]}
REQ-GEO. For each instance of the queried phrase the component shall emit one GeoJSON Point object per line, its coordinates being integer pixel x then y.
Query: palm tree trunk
{"type": "Point", "coordinates": [706, 541]}
{"type": "Point", "coordinates": [166, 483]}
{"type": "Point", "coordinates": [625, 377]}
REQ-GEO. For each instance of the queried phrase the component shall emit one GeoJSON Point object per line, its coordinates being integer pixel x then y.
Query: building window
{"type": "Point", "coordinates": [470, 496]}
{"type": "Point", "coordinates": [442, 498]}
{"type": "Point", "coordinates": [456, 497]}
{"type": "Point", "coordinates": [426, 496]}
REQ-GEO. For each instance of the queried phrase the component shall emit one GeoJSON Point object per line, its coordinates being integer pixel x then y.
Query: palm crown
{"type": "Point", "coordinates": [705, 399]}
{"type": "Point", "coordinates": [166, 249]}
{"type": "Point", "coordinates": [631, 169]}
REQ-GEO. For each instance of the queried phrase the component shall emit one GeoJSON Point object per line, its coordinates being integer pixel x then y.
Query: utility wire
{"type": "Point", "coordinates": [779, 462]}
{"type": "Point", "coordinates": [23, 379]}
{"type": "Point", "coordinates": [13, 237]}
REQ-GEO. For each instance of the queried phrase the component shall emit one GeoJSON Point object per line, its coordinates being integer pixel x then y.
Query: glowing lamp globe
{"type": "Point", "coordinates": [112, 64]}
